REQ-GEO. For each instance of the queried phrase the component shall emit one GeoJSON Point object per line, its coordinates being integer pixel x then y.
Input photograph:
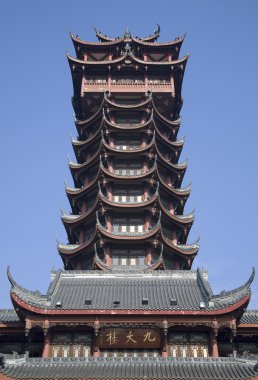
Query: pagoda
{"type": "Point", "coordinates": [128, 304]}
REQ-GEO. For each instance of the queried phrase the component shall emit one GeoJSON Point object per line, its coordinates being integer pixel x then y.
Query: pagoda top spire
{"type": "Point", "coordinates": [151, 38]}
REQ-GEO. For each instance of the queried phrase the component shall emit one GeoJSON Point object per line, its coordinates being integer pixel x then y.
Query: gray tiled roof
{"type": "Point", "coordinates": [130, 368]}
{"type": "Point", "coordinates": [190, 289]}
{"type": "Point", "coordinates": [250, 316]}
{"type": "Point", "coordinates": [8, 315]}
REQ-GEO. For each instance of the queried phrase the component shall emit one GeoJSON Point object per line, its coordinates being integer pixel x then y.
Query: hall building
{"type": "Point", "coordinates": [127, 303]}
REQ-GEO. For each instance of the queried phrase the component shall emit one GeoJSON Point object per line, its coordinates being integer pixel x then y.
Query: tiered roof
{"type": "Point", "coordinates": [190, 292]}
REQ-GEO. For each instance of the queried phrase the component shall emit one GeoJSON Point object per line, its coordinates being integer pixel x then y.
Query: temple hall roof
{"type": "Point", "coordinates": [190, 289]}
{"type": "Point", "coordinates": [250, 317]}
{"type": "Point", "coordinates": [8, 315]}
{"type": "Point", "coordinates": [129, 368]}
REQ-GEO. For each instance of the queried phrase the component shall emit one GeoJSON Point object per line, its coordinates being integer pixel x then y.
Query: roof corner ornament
{"type": "Point", "coordinates": [157, 30]}
{"type": "Point", "coordinates": [96, 30]}
{"type": "Point", "coordinates": [10, 277]}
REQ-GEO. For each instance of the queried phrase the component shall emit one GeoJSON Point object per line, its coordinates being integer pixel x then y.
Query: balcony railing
{"type": "Point", "coordinates": [128, 147]}
{"type": "Point", "coordinates": [129, 199]}
{"type": "Point", "coordinates": [127, 85]}
{"type": "Point", "coordinates": [128, 172]}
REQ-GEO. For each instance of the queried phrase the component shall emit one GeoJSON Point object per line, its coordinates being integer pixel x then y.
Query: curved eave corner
{"type": "Point", "coordinates": [236, 295]}
{"type": "Point", "coordinates": [23, 296]}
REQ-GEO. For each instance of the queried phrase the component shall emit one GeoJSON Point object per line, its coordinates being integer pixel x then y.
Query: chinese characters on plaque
{"type": "Point", "coordinates": [129, 338]}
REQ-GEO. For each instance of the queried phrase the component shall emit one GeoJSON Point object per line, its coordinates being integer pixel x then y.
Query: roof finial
{"type": "Point", "coordinates": [127, 34]}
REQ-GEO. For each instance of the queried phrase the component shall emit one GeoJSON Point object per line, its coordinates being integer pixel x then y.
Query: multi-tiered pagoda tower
{"type": "Point", "coordinates": [127, 288]}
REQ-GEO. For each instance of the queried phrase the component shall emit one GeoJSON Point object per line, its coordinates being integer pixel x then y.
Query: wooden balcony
{"type": "Point", "coordinates": [102, 86]}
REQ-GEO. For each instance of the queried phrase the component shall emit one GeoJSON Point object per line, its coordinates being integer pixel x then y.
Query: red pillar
{"type": "Point", "coordinates": [149, 256]}
{"type": "Point", "coordinates": [214, 344]}
{"type": "Point", "coordinates": [169, 181]}
{"type": "Point", "coordinates": [146, 192]}
{"type": "Point", "coordinates": [83, 85]}
{"type": "Point", "coordinates": [109, 222]}
{"type": "Point", "coordinates": [46, 347]}
{"type": "Point", "coordinates": [146, 82]}
{"type": "Point", "coordinates": [108, 256]}
{"type": "Point", "coordinates": [112, 144]}
{"type": "Point", "coordinates": [144, 168]}
{"type": "Point", "coordinates": [84, 207]}
{"type": "Point", "coordinates": [165, 347]}
{"type": "Point", "coordinates": [147, 222]}
{"type": "Point", "coordinates": [171, 208]}
{"type": "Point", "coordinates": [96, 353]}
{"type": "Point", "coordinates": [86, 181]}
{"type": "Point", "coordinates": [81, 237]}
{"type": "Point", "coordinates": [174, 238]}
{"type": "Point", "coordinates": [110, 166]}
{"type": "Point", "coordinates": [109, 193]}
{"type": "Point", "coordinates": [109, 82]}
{"type": "Point", "coordinates": [172, 85]}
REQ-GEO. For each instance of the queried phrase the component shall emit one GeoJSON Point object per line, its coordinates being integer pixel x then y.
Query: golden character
{"type": "Point", "coordinates": [112, 337]}
{"type": "Point", "coordinates": [130, 338]}
{"type": "Point", "coordinates": [147, 337]}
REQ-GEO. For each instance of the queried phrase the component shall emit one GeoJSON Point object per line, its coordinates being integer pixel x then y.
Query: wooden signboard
{"type": "Point", "coordinates": [129, 338]}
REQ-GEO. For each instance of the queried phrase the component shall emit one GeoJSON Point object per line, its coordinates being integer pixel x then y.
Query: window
{"type": "Point", "coordinates": [128, 195]}
{"type": "Point", "coordinates": [127, 144]}
{"type": "Point", "coordinates": [128, 168]}
{"type": "Point", "coordinates": [128, 225]}
{"type": "Point", "coordinates": [128, 257]}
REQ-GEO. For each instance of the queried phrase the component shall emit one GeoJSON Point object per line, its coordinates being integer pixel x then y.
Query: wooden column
{"type": "Point", "coordinates": [172, 84]}
{"type": "Point", "coordinates": [165, 339]}
{"type": "Point", "coordinates": [112, 144]}
{"type": "Point", "coordinates": [146, 192]}
{"type": "Point", "coordinates": [46, 347]}
{"type": "Point", "coordinates": [108, 256]}
{"type": "Point", "coordinates": [144, 141]}
{"type": "Point", "coordinates": [165, 347]}
{"type": "Point", "coordinates": [109, 82]}
{"type": "Point", "coordinates": [171, 208]}
{"type": "Point", "coordinates": [86, 181]}
{"type": "Point", "coordinates": [146, 82]}
{"type": "Point", "coordinates": [214, 344]}
{"type": "Point", "coordinates": [83, 84]}
{"type": "Point", "coordinates": [147, 222]}
{"type": "Point", "coordinates": [81, 237]}
{"type": "Point", "coordinates": [95, 349]}
{"type": "Point", "coordinates": [109, 192]}
{"type": "Point", "coordinates": [84, 207]}
{"type": "Point", "coordinates": [174, 238]}
{"type": "Point", "coordinates": [110, 166]}
{"type": "Point", "coordinates": [149, 256]}
{"type": "Point", "coordinates": [144, 168]}
{"type": "Point", "coordinates": [109, 222]}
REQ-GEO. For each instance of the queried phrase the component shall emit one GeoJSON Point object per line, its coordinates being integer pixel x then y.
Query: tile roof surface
{"type": "Point", "coordinates": [8, 315]}
{"type": "Point", "coordinates": [130, 368]}
{"type": "Point", "coordinates": [191, 290]}
{"type": "Point", "coordinates": [250, 316]}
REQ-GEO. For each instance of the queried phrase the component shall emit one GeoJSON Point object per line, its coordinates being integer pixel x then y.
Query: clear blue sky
{"type": "Point", "coordinates": [220, 122]}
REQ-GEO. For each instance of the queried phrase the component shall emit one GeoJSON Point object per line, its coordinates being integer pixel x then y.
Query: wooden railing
{"type": "Point", "coordinates": [127, 86]}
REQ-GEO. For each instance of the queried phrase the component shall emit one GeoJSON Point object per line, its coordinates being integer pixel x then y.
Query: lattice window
{"type": "Point", "coordinates": [128, 257]}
